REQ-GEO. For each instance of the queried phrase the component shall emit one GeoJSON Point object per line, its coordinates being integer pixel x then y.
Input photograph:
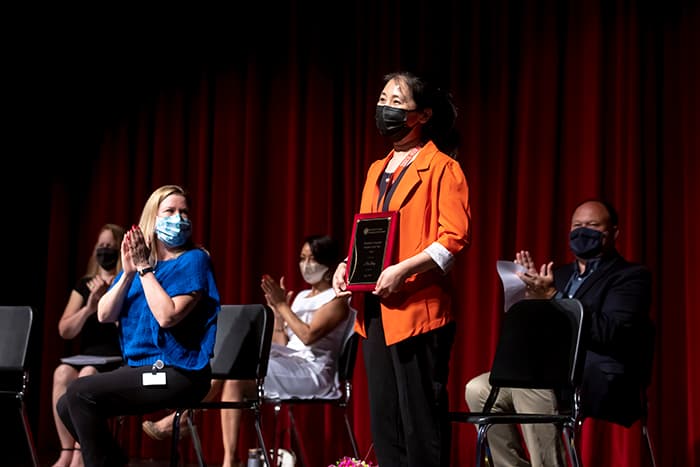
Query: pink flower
{"type": "Point", "coordinates": [352, 462]}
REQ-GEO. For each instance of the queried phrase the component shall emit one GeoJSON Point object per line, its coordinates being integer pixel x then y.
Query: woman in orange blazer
{"type": "Point", "coordinates": [407, 321]}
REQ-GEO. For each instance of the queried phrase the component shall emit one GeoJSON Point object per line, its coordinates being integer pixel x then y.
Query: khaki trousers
{"type": "Point", "coordinates": [544, 441]}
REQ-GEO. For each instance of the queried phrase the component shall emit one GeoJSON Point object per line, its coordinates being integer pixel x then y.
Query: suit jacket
{"type": "Point", "coordinates": [432, 200]}
{"type": "Point", "coordinates": [616, 299]}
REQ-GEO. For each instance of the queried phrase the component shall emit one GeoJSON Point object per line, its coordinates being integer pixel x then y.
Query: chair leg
{"type": "Point", "coordinates": [115, 425]}
{"type": "Point", "coordinates": [569, 435]}
{"type": "Point", "coordinates": [488, 459]}
{"type": "Point", "coordinates": [351, 434]}
{"type": "Point", "coordinates": [174, 453]}
{"type": "Point", "coordinates": [300, 443]}
{"type": "Point", "coordinates": [196, 443]}
{"type": "Point", "coordinates": [276, 432]}
{"type": "Point", "coordinates": [480, 442]}
{"type": "Point", "coordinates": [28, 433]}
{"type": "Point", "coordinates": [261, 440]}
{"type": "Point", "coordinates": [645, 433]}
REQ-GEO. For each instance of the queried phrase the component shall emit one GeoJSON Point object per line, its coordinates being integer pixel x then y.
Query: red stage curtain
{"type": "Point", "coordinates": [558, 101]}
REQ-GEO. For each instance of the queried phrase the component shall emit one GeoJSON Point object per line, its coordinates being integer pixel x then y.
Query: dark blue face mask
{"type": "Point", "coordinates": [391, 122]}
{"type": "Point", "coordinates": [586, 243]}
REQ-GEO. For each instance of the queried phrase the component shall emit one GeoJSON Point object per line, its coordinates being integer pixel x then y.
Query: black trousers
{"type": "Point", "coordinates": [90, 401]}
{"type": "Point", "coordinates": [408, 395]}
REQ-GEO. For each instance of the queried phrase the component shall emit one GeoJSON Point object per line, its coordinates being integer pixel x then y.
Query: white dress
{"type": "Point", "coordinates": [305, 372]}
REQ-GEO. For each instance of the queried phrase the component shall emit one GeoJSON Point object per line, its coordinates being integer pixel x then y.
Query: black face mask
{"type": "Point", "coordinates": [107, 257]}
{"type": "Point", "coordinates": [586, 243]}
{"type": "Point", "coordinates": [391, 122]}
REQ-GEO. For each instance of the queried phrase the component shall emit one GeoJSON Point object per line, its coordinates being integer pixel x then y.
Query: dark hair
{"type": "Point", "coordinates": [440, 128]}
{"type": "Point", "coordinates": [612, 212]}
{"type": "Point", "coordinates": [324, 249]}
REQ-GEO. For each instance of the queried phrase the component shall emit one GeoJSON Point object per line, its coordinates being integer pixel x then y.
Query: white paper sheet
{"type": "Point", "coordinates": [513, 287]}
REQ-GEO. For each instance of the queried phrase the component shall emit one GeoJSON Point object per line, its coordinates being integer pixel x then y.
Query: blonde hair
{"type": "Point", "coordinates": [147, 223]}
{"type": "Point", "coordinates": [118, 234]}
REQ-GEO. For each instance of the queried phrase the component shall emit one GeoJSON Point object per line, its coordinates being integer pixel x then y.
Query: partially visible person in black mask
{"type": "Point", "coordinates": [86, 335]}
{"type": "Point", "coordinates": [616, 295]}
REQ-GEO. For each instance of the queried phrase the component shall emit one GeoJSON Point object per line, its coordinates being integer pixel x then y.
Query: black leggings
{"type": "Point", "coordinates": [90, 401]}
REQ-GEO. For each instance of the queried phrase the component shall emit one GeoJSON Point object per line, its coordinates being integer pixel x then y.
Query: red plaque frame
{"type": "Point", "coordinates": [371, 248]}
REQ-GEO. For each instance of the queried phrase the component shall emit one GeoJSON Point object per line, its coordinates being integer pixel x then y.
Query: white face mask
{"type": "Point", "coordinates": [312, 272]}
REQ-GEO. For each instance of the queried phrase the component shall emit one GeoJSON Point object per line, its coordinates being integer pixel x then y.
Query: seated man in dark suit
{"type": "Point", "coordinates": [616, 296]}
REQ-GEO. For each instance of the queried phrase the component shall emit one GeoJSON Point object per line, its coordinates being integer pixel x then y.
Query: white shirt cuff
{"type": "Point", "coordinates": [441, 255]}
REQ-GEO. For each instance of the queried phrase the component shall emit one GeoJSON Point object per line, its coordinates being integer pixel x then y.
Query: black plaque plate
{"type": "Point", "coordinates": [371, 247]}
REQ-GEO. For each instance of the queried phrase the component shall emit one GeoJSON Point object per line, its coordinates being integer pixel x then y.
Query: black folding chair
{"type": "Point", "coordinates": [346, 367]}
{"type": "Point", "coordinates": [15, 328]}
{"type": "Point", "coordinates": [242, 351]}
{"type": "Point", "coordinates": [647, 349]}
{"type": "Point", "coordinates": [539, 348]}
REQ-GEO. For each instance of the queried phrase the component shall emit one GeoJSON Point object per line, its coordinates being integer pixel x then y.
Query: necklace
{"type": "Point", "coordinates": [390, 177]}
{"type": "Point", "coordinates": [393, 176]}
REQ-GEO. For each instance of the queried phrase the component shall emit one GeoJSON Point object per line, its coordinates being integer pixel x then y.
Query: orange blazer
{"type": "Point", "coordinates": [432, 200]}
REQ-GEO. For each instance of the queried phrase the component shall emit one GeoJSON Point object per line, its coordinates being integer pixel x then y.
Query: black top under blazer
{"type": "Point", "coordinates": [616, 298]}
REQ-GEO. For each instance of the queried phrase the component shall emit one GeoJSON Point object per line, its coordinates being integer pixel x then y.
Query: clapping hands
{"type": "Point", "coordinates": [97, 287]}
{"type": "Point", "coordinates": [135, 252]}
{"type": "Point", "coordinates": [275, 294]}
{"type": "Point", "coordinates": [538, 283]}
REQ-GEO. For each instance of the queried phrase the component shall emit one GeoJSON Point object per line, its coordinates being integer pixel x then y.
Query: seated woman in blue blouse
{"type": "Point", "coordinates": [166, 302]}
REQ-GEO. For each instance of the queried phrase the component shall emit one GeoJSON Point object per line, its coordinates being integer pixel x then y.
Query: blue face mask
{"type": "Point", "coordinates": [174, 231]}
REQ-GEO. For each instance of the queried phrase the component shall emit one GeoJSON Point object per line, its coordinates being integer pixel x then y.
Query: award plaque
{"type": "Point", "coordinates": [371, 247]}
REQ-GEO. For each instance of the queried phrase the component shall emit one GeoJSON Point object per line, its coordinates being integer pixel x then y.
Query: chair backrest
{"type": "Point", "coordinates": [540, 345]}
{"type": "Point", "coordinates": [15, 328]}
{"type": "Point", "coordinates": [346, 361]}
{"type": "Point", "coordinates": [346, 367]}
{"type": "Point", "coordinates": [243, 340]}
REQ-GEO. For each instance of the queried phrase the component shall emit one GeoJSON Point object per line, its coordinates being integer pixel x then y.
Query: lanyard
{"type": "Point", "coordinates": [391, 178]}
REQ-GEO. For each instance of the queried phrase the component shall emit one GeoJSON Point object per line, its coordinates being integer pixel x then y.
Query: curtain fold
{"type": "Point", "coordinates": [558, 102]}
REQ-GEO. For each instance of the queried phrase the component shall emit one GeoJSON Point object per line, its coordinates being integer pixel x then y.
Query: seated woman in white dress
{"type": "Point", "coordinates": [308, 336]}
